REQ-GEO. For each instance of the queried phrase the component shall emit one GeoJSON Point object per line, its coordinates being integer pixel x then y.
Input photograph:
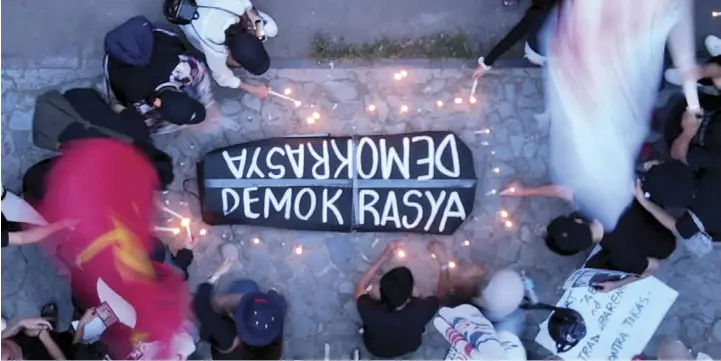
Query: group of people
{"type": "Point", "coordinates": [157, 82]}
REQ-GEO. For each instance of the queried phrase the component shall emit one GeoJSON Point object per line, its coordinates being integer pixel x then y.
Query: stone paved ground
{"type": "Point", "coordinates": [319, 283]}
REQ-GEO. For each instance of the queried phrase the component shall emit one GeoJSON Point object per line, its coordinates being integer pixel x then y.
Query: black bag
{"type": "Point", "coordinates": [180, 12]}
{"type": "Point", "coordinates": [565, 326]}
{"type": "Point", "coordinates": [53, 114]}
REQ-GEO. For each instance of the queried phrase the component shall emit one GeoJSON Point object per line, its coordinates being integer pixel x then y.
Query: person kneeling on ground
{"type": "Point", "coordinates": [244, 323]}
{"type": "Point", "coordinates": [151, 69]}
{"type": "Point", "coordinates": [222, 34]}
{"type": "Point", "coordinates": [393, 325]}
{"type": "Point", "coordinates": [638, 242]}
{"type": "Point", "coordinates": [695, 139]}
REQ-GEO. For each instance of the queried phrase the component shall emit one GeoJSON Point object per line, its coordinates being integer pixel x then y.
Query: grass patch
{"type": "Point", "coordinates": [444, 46]}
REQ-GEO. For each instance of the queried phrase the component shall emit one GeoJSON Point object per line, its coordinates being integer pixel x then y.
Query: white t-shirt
{"type": "Point", "coordinates": [207, 33]}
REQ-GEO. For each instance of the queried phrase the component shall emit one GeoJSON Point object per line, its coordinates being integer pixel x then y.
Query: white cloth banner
{"type": "Point", "coordinates": [605, 60]}
{"type": "Point", "coordinates": [619, 324]}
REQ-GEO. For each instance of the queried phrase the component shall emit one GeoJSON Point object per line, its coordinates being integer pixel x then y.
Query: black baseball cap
{"type": "Point", "coordinates": [669, 184]}
{"type": "Point", "coordinates": [179, 108]}
{"type": "Point", "coordinates": [568, 235]}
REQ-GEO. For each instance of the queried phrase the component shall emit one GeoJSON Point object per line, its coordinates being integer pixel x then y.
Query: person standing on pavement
{"type": "Point", "coordinates": [529, 27]}
{"type": "Point", "coordinates": [221, 32]}
{"type": "Point", "coordinates": [393, 326]}
{"type": "Point", "coordinates": [243, 324]}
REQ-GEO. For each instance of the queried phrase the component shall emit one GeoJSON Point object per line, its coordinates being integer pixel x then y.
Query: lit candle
{"type": "Point", "coordinates": [473, 100]}
{"type": "Point", "coordinates": [176, 214]}
{"type": "Point", "coordinates": [716, 13]}
{"type": "Point", "coordinates": [190, 234]}
{"type": "Point", "coordinates": [404, 108]}
{"type": "Point", "coordinates": [166, 229]}
{"type": "Point", "coordinates": [298, 250]}
{"type": "Point", "coordinates": [496, 170]}
{"type": "Point", "coordinates": [316, 115]}
{"type": "Point", "coordinates": [310, 120]}
{"type": "Point", "coordinates": [176, 230]}
{"type": "Point", "coordinates": [512, 190]}
{"type": "Point", "coordinates": [185, 222]}
{"type": "Point", "coordinates": [473, 90]}
{"type": "Point", "coordinates": [466, 243]}
{"type": "Point", "coordinates": [401, 254]}
{"type": "Point", "coordinates": [256, 240]}
{"type": "Point", "coordinates": [287, 91]}
{"type": "Point", "coordinates": [404, 73]}
{"type": "Point", "coordinates": [439, 104]}
{"type": "Point", "coordinates": [282, 96]}
{"type": "Point", "coordinates": [203, 232]}
{"type": "Point", "coordinates": [297, 104]}
{"type": "Point", "coordinates": [508, 224]}
{"type": "Point", "coordinates": [372, 108]}
{"type": "Point", "coordinates": [397, 76]}
{"type": "Point", "coordinates": [451, 264]}
{"type": "Point", "coordinates": [458, 101]}
{"type": "Point", "coordinates": [504, 214]}
{"type": "Point", "coordinates": [433, 255]}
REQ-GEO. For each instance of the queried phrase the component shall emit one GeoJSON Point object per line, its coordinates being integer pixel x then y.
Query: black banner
{"type": "Point", "coordinates": [417, 182]}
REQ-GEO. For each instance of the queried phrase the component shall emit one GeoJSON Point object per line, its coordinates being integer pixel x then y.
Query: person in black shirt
{"type": "Point", "coordinates": [529, 27]}
{"type": "Point", "coordinates": [639, 240]}
{"type": "Point", "coordinates": [243, 325]}
{"type": "Point", "coordinates": [695, 139]}
{"type": "Point", "coordinates": [393, 326]}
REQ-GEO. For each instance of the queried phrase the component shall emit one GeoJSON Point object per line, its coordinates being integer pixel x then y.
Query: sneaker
{"type": "Point", "coordinates": [672, 76]}
{"type": "Point", "coordinates": [713, 45]}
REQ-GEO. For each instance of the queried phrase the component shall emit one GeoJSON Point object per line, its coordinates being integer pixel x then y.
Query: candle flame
{"type": "Point", "coordinates": [310, 120]}
{"type": "Point", "coordinates": [439, 104]}
{"type": "Point", "coordinates": [433, 255]}
{"type": "Point", "coordinates": [401, 253]}
{"type": "Point", "coordinates": [716, 13]}
{"type": "Point", "coordinates": [176, 230]}
{"type": "Point", "coordinates": [287, 91]}
{"type": "Point", "coordinates": [298, 249]}
{"type": "Point", "coordinates": [255, 240]}
{"type": "Point", "coordinates": [316, 115]}
{"type": "Point", "coordinates": [404, 73]}
{"type": "Point", "coordinates": [466, 243]}
{"type": "Point", "coordinates": [509, 224]}
{"type": "Point", "coordinates": [404, 108]}
{"type": "Point", "coordinates": [372, 108]}
{"type": "Point", "coordinates": [458, 101]}
{"type": "Point", "coordinates": [496, 170]}
{"type": "Point", "coordinates": [185, 222]}
{"type": "Point", "coordinates": [451, 264]}
{"type": "Point", "coordinates": [203, 232]}
{"type": "Point", "coordinates": [473, 100]}
{"type": "Point", "coordinates": [397, 76]}
{"type": "Point", "coordinates": [504, 214]}
{"type": "Point", "coordinates": [298, 103]}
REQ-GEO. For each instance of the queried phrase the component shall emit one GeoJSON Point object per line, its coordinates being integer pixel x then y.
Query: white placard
{"type": "Point", "coordinates": [619, 324]}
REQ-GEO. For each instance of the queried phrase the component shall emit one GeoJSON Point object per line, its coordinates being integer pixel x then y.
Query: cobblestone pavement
{"type": "Point", "coordinates": [319, 282]}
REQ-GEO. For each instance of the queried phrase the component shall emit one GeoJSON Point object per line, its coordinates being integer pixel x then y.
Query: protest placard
{"type": "Point", "coordinates": [619, 323]}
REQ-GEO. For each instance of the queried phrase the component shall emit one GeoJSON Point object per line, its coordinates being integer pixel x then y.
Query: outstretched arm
{"type": "Point", "coordinates": [367, 278]}
{"type": "Point", "coordinates": [552, 191]}
{"type": "Point", "coordinates": [37, 234]}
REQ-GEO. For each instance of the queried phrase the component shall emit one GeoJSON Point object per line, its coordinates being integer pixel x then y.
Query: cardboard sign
{"type": "Point", "coordinates": [419, 182]}
{"type": "Point", "coordinates": [619, 323]}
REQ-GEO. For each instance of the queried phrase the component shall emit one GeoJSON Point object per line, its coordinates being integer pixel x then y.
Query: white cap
{"type": "Point", "coordinates": [503, 294]}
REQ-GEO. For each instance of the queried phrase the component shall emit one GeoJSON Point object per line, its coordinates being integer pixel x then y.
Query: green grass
{"type": "Point", "coordinates": [444, 46]}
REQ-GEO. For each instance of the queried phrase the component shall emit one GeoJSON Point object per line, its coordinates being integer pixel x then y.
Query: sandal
{"type": "Point", "coordinates": [50, 313]}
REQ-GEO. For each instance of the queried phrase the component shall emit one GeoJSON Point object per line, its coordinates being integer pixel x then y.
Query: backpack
{"type": "Point", "coordinates": [53, 114]}
{"type": "Point", "coordinates": [131, 42]}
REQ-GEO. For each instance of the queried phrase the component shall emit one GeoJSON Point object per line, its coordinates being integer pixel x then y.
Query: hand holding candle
{"type": "Point", "coordinates": [272, 92]}
{"type": "Point", "coordinates": [472, 98]}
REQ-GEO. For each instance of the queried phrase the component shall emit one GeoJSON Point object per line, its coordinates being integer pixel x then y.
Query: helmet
{"type": "Point", "coordinates": [566, 327]}
{"type": "Point", "coordinates": [180, 12]}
